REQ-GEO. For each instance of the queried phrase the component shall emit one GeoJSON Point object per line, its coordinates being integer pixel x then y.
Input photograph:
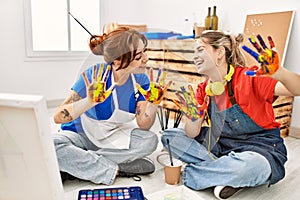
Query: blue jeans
{"type": "Point", "coordinates": [78, 156]}
{"type": "Point", "coordinates": [204, 170]}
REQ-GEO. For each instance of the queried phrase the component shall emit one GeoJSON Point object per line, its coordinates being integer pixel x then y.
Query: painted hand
{"type": "Point", "coordinates": [96, 90]}
{"type": "Point", "coordinates": [189, 105]}
{"type": "Point", "coordinates": [267, 57]}
{"type": "Point", "coordinates": [156, 91]}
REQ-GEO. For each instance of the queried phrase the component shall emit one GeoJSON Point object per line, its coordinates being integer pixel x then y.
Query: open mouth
{"type": "Point", "coordinates": [199, 62]}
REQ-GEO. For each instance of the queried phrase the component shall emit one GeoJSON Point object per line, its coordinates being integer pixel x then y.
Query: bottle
{"type": "Point", "coordinates": [207, 20]}
{"type": "Point", "coordinates": [194, 23]}
{"type": "Point", "coordinates": [194, 29]}
{"type": "Point", "coordinates": [214, 19]}
{"type": "Point", "coordinates": [187, 27]}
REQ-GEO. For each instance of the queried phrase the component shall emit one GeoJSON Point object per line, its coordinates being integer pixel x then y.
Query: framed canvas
{"type": "Point", "coordinates": [28, 163]}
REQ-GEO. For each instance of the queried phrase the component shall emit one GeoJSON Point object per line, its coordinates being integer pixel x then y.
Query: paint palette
{"type": "Point", "coordinates": [123, 193]}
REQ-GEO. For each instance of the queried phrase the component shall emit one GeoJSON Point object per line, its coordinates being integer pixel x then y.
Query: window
{"type": "Point", "coordinates": [51, 32]}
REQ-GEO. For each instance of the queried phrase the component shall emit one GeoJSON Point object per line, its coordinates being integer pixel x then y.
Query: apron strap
{"type": "Point", "coordinates": [231, 93]}
{"type": "Point", "coordinates": [114, 93]}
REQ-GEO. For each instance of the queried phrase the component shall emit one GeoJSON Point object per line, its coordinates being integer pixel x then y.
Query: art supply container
{"type": "Point", "coordinates": [172, 173]}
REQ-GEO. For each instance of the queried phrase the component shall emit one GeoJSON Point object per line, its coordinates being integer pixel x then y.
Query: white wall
{"type": "Point", "coordinates": [54, 78]}
{"type": "Point", "coordinates": [17, 74]}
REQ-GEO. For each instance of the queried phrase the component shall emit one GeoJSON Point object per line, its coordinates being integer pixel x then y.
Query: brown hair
{"type": "Point", "coordinates": [231, 44]}
{"type": "Point", "coordinates": [119, 44]}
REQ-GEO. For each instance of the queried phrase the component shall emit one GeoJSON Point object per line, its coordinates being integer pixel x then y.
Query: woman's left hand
{"type": "Point", "coordinates": [157, 89]}
{"type": "Point", "coordinates": [189, 105]}
{"type": "Point", "coordinates": [267, 57]}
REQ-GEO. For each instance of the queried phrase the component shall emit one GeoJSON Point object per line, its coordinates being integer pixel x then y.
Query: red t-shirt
{"type": "Point", "coordinates": [254, 95]}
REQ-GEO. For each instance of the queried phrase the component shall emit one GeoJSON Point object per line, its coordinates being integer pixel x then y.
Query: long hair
{"type": "Point", "coordinates": [231, 44]}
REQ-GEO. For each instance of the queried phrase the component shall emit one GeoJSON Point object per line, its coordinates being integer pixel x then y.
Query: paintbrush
{"type": "Point", "coordinates": [170, 154]}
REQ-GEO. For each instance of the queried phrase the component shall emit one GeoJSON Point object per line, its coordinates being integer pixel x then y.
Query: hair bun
{"type": "Point", "coordinates": [239, 38]}
{"type": "Point", "coordinates": [96, 44]}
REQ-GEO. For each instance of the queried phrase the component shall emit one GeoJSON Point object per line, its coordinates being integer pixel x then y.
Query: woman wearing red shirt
{"type": "Point", "coordinates": [241, 146]}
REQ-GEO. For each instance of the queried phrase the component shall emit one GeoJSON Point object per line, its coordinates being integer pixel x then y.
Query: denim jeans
{"type": "Point", "coordinates": [234, 151]}
{"type": "Point", "coordinates": [204, 170]}
{"type": "Point", "coordinates": [78, 156]}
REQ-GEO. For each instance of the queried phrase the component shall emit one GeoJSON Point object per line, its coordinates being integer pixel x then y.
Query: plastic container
{"type": "Point", "coordinates": [160, 35]}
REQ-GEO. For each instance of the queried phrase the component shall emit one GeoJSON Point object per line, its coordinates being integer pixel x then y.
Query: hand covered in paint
{"type": "Point", "coordinates": [189, 105]}
{"type": "Point", "coordinates": [96, 90]}
{"type": "Point", "coordinates": [267, 57]}
{"type": "Point", "coordinates": [156, 91]}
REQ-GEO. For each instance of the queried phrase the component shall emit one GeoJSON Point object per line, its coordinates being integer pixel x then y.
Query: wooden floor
{"type": "Point", "coordinates": [154, 185]}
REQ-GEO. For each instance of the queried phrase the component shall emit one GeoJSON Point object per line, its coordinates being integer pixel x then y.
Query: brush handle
{"type": "Point", "coordinates": [170, 154]}
{"type": "Point", "coordinates": [81, 25]}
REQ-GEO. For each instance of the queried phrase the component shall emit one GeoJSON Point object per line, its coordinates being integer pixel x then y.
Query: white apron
{"type": "Point", "coordinates": [113, 133]}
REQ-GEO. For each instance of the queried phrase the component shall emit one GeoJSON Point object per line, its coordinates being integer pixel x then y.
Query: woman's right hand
{"type": "Point", "coordinates": [96, 90]}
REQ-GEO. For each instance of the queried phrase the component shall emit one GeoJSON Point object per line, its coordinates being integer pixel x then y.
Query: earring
{"type": "Point", "coordinates": [217, 64]}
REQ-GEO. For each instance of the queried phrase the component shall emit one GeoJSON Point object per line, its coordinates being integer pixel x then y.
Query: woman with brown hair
{"type": "Point", "coordinates": [105, 119]}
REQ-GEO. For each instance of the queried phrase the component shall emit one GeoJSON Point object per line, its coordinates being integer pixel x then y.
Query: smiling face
{"type": "Point", "coordinates": [204, 57]}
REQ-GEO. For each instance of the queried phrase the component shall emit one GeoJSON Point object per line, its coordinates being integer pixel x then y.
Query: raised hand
{"type": "Point", "coordinates": [156, 91]}
{"type": "Point", "coordinates": [96, 90]}
{"type": "Point", "coordinates": [189, 105]}
{"type": "Point", "coordinates": [267, 57]}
